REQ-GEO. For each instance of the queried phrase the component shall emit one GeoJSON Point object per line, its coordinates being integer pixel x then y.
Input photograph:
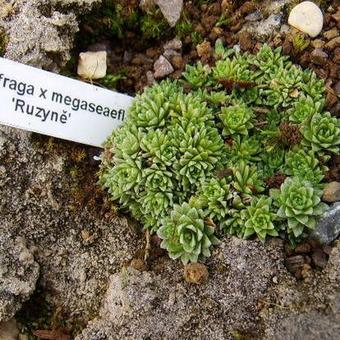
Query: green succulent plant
{"type": "Point", "coordinates": [213, 198]}
{"type": "Point", "coordinates": [304, 108]}
{"type": "Point", "coordinates": [184, 162]}
{"type": "Point", "coordinates": [299, 203]}
{"type": "Point", "coordinates": [234, 224]}
{"type": "Point", "coordinates": [305, 165]}
{"type": "Point", "coordinates": [152, 107]}
{"type": "Point", "coordinates": [272, 161]}
{"type": "Point", "coordinates": [236, 119]}
{"type": "Point", "coordinates": [186, 235]}
{"type": "Point", "coordinates": [236, 68]}
{"type": "Point", "coordinates": [197, 75]}
{"type": "Point", "coordinates": [243, 148]}
{"type": "Point", "coordinates": [259, 219]}
{"type": "Point", "coordinates": [322, 133]}
{"type": "Point", "coordinates": [246, 180]}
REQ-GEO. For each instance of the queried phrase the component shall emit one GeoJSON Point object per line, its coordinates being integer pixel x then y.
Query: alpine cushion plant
{"type": "Point", "coordinates": [190, 166]}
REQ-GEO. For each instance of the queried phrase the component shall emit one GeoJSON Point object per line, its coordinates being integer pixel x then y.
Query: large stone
{"type": "Point", "coordinates": [328, 227]}
{"type": "Point", "coordinates": [160, 305]}
{"type": "Point", "coordinates": [40, 32]}
{"type": "Point", "coordinates": [307, 17]}
{"type": "Point", "coordinates": [18, 272]}
{"type": "Point", "coordinates": [59, 210]}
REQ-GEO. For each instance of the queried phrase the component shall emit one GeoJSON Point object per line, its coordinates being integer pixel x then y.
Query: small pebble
{"type": "Point", "coordinates": [319, 258]}
{"type": "Point", "coordinates": [331, 192]}
{"type": "Point", "coordinates": [307, 17]}
{"type": "Point", "coordinates": [317, 43]}
{"type": "Point", "coordinates": [92, 65]}
{"type": "Point", "coordinates": [138, 264]}
{"type": "Point", "coordinates": [150, 78]}
{"type": "Point", "coordinates": [196, 273]}
{"type": "Point", "coordinates": [255, 16]}
{"type": "Point", "coordinates": [177, 61]}
{"type": "Point", "coordinates": [319, 57]}
{"type": "Point", "coordinates": [303, 248]}
{"type": "Point", "coordinates": [204, 50]}
{"type": "Point", "coordinates": [162, 67]}
{"type": "Point", "coordinates": [174, 44]}
{"type": "Point", "coordinates": [168, 54]}
{"type": "Point", "coordinates": [332, 33]}
{"type": "Point", "coordinates": [332, 44]}
{"type": "Point", "coordinates": [275, 279]}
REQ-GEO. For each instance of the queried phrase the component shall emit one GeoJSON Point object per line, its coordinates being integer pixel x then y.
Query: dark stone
{"type": "Point", "coordinates": [328, 227]}
{"type": "Point", "coordinates": [319, 258]}
{"type": "Point", "coordinates": [303, 248]}
{"type": "Point", "coordinates": [319, 57]}
{"type": "Point", "coordinates": [294, 263]}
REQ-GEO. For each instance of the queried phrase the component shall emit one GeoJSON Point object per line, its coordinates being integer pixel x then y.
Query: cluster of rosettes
{"type": "Point", "coordinates": [192, 166]}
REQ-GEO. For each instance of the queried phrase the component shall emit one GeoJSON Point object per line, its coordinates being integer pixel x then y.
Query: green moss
{"type": "Point", "coordinates": [153, 25]}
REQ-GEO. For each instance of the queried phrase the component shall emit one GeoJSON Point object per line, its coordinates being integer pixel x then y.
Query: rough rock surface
{"type": "Point", "coordinates": [171, 9]}
{"type": "Point", "coordinates": [309, 310]}
{"type": "Point", "coordinates": [328, 227]}
{"type": "Point", "coordinates": [145, 304]}
{"type": "Point", "coordinates": [41, 32]}
{"type": "Point", "coordinates": [76, 244]}
{"type": "Point", "coordinates": [18, 271]}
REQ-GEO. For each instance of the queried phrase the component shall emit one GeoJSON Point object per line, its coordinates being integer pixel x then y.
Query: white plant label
{"type": "Point", "coordinates": [50, 104]}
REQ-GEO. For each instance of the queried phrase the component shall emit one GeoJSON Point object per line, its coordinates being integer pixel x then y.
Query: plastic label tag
{"type": "Point", "coordinates": [50, 104]}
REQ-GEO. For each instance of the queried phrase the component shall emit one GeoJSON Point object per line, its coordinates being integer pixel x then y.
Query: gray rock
{"type": "Point", "coordinates": [39, 39]}
{"type": "Point", "coordinates": [331, 192]}
{"type": "Point", "coordinates": [141, 305]}
{"type": "Point", "coordinates": [309, 310]}
{"type": "Point", "coordinates": [264, 29]}
{"type": "Point", "coordinates": [168, 54]}
{"type": "Point", "coordinates": [309, 326]}
{"type": "Point", "coordinates": [18, 272]}
{"type": "Point", "coordinates": [78, 243]}
{"type": "Point", "coordinates": [255, 16]}
{"type": "Point", "coordinates": [171, 9]}
{"type": "Point", "coordinates": [162, 67]}
{"type": "Point", "coordinates": [174, 44]}
{"type": "Point", "coordinates": [328, 227]}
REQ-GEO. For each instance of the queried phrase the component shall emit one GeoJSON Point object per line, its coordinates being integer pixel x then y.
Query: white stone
{"type": "Point", "coordinates": [92, 65]}
{"type": "Point", "coordinates": [306, 17]}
